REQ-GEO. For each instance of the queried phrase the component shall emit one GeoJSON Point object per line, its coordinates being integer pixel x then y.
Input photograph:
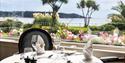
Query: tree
{"type": "Point", "coordinates": [88, 7]}
{"type": "Point", "coordinates": [55, 5]}
{"type": "Point", "coordinates": [118, 20]}
{"type": "Point", "coordinates": [120, 8]}
{"type": "Point", "coordinates": [116, 17]}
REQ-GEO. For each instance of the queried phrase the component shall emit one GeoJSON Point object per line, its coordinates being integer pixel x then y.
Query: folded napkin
{"type": "Point", "coordinates": [88, 50]}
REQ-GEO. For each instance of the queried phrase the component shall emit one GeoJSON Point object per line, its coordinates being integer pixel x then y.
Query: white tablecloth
{"type": "Point", "coordinates": [56, 57]}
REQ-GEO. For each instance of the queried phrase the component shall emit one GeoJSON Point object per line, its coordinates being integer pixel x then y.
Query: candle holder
{"type": "Point", "coordinates": [33, 61]}
{"type": "Point", "coordinates": [27, 60]}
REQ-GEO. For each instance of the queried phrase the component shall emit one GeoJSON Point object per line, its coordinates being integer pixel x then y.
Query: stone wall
{"type": "Point", "coordinates": [8, 48]}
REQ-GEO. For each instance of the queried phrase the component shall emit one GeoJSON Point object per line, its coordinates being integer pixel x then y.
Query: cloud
{"type": "Point", "coordinates": [22, 5]}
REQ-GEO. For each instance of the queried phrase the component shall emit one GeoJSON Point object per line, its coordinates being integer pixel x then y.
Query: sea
{"type": "Point", "coordinates": [66, 21]}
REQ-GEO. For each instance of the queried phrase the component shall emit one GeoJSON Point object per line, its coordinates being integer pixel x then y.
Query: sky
{"type": "Point", "coordinates": [71, 7]}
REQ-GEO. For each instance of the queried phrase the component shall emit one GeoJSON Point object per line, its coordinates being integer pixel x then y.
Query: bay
{"type": "Point", "coordinates": [66, 21]}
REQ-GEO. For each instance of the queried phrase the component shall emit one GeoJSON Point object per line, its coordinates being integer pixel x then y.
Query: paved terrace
{"type": "Point", "coordinates": [10, 47]}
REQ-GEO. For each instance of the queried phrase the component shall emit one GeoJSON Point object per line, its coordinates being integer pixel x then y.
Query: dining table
{"type": "Point", "coordinates": [53, 56]}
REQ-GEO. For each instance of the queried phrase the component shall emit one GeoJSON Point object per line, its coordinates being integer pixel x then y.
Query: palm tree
{"type": "Point", "coordinates": [91, 7]}
{"type": "Point", "coordinates": [118, 17]}
{"type": "Point", "coordinates": [120, 8]}
{"type": "Point", "coordinates": [55, 5]}
{"type": "Point", "coordinates": [118, 20]}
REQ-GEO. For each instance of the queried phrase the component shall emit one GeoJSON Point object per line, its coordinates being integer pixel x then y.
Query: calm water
{"type": "Point", "coordinates": [67, 21]}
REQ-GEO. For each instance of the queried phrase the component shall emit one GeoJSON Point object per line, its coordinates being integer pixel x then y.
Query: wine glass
{"type": "Point", "coordinates": [28, 49]}
{"type": "Point", "coordinates": [33, 42]}
{"type": "Point", "coordinates": [38, 44]}
{"type": "Point", "coordinates": [57, 42]}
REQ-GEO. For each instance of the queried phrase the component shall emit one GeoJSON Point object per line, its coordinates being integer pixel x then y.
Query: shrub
{"type": "Point", "coordinates": [10, 24]}
{"type": "Point", "coordinates": [76, 30]}
{"type": "Point", "coordinates": [107, 27]}
{"type": "Point", "coordinates": [45, 20]}
{"type": "Point", "coordinates": [26, 26]}
{"type": "Point", "coordinates": [36, 26]}
{"type": "Point", "coordinates": [94, 28]}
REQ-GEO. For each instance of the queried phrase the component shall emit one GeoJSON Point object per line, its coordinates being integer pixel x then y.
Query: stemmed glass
{"type": "Point", "coordinates": [57, 42]}
{"type": "Point", "coordinates": [33, 42]}
{"type": "Point", "coordinates": [38, 44]}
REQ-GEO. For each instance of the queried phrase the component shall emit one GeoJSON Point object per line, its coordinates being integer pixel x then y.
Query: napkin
{"type": "Point", "coordinates": [88, 50]}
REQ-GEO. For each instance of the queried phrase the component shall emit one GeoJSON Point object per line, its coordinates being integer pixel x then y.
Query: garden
{"type": "Point", "coordinates": [112, 33]}
{"type": "Point", "coordinates": [107, 34]}
{"type": "Point", "coordinates": [114, 37]}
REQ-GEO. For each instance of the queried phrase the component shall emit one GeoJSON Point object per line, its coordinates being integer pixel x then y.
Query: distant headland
{"type": "Point", "coordinates": [29, 14]}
